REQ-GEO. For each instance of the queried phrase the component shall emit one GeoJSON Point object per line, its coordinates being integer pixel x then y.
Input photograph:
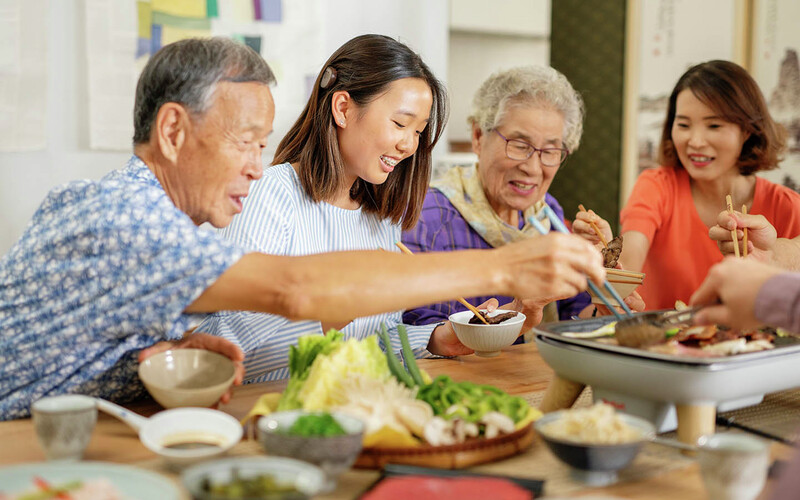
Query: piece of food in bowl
{"type": "Point", "coordinates": [316, 424]}
{"type": "Point", "coordinates": [599, 424]}
{"type": "Point", "coordinates": [492, 320]}
{"type": "Point", "coordinates": [596, 442]}
{"type": "Point", "coordinates": [258, 486]}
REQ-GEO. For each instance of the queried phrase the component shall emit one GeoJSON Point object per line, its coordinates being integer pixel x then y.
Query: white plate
{"type": "Point", "coordinates": [131, 482]}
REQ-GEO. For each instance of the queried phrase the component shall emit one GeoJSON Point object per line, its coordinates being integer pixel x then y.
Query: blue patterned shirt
{"type": "Point", "coordinates": [104, 269]}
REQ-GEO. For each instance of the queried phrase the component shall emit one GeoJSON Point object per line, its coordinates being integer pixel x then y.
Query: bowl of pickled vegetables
{"type": "Point", "coordinates": [331, 441]}
{"type": "Point", "coordinates": [250, 478]}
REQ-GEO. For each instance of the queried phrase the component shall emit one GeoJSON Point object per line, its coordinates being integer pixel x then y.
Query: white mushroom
{"type": "Point", "coordinates": [496, 423]}
{"type": "Point", "coordinates": [439, 431]}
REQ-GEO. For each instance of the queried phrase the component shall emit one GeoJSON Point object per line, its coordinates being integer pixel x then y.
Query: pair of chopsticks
{"type": "Point", "coordinates": [596, 229]}
{"type": "Point", "coordinates": [561, 228]}
{"type": "Point", "coordinates": [734, 236]}
{"type": "Point", "coordinates": [469, 306]}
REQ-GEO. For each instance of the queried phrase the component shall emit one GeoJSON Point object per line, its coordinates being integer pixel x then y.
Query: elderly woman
{"type": "Point", "coordinates": [110, 271]}
{"type": "Point", "coordinates": [525, 122]}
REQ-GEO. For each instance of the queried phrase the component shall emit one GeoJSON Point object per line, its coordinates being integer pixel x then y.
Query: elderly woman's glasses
{"type": "Point", "coordinates": [517, 149]}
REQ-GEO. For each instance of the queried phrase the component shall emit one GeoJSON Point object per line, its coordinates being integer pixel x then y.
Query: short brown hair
{"type": "Point", "coordinates": [364, 67]}
{"type": "Point", "coordinates": [187, 72]}
{"type": "Point", "coordinates": [732, 93]}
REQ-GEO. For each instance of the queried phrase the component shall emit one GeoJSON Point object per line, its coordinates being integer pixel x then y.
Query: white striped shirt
{"type": "Point", "coordinates": [279, 218]}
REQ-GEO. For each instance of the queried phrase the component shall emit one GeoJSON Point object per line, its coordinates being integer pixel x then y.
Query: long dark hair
{"type": "Point", "coordinates": [364, 67]}
{"type": "Point", "coordinates": [731, 92]}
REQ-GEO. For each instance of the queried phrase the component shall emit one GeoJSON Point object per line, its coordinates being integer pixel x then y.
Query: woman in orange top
{"type": "Point", "coordinates": [717, 134]}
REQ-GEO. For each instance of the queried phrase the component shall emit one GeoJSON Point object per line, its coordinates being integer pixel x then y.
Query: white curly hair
{"type": "Point", "coordinates": [529, 85]}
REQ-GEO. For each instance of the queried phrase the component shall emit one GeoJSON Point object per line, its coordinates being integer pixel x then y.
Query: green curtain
{"type": "Point", "coordinates": [588, 46]}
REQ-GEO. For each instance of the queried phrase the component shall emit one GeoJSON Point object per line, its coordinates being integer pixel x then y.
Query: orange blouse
{"type": "Point", "coordinates": [681, 252]}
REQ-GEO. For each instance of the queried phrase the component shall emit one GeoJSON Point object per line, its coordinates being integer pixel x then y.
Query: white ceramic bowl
{"type": "Point", "coordinates": [187, 377]}
{"type": "Point", "coordinates": [190, 425]}
{"type": "Point", "coordinates": [307, 479]}
{"type": "Point", "coordinates": [487, 340]}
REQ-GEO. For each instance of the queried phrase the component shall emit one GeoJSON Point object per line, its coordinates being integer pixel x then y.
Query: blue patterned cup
{"type": "Point", "coordinates": [64, 425]}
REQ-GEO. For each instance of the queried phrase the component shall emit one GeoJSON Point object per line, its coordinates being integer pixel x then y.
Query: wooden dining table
{"type": "Point", "coordinates": [519, 370]}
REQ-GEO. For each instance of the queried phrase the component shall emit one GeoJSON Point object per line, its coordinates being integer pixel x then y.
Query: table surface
{"type": "Point", "coordinates": [518, 370]}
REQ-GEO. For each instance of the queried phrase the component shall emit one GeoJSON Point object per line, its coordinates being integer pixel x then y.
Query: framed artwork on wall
{"type": "Point", "coordinates": [774, 64]}
{"type": "Point", "coordinates": [663, 39]}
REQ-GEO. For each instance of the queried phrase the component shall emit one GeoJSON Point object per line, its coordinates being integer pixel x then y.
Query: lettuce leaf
{"type": "Point", "coordinates": [301, 358]}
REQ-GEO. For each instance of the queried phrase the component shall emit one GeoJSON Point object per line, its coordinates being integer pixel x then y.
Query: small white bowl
{"type": "Point", "coordinates": [165, 432]}
{"type": "Point", "coordinates": [487, 340]}
{"type": "Point", "coordinates": [187, 377]}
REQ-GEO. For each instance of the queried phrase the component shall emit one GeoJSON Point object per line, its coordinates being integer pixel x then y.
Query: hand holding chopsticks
{"type": "Point", "coordinates": [469, 306]}
{"type": "Point", "coordinates": [560, 227]}
{"type": "Point", "coordinates": [595, 228]}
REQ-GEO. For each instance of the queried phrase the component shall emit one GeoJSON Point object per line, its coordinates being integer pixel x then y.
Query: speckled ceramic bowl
{"type": "Point", "coordinates": [596, 464]}
{"type": "Point", "coordinates": [187, 377]}
{"type": "Point", "coordinates": [487, 340]}
{"type": "Point", "coordinates": [334, 454]}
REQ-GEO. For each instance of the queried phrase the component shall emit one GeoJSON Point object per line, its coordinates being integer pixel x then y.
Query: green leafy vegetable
{"type": "Point", "coordinates": [317, 424]}
{"type": "Point", "coordinates": [301, 358]}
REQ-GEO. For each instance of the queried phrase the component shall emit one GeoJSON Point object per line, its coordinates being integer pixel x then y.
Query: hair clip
{"type": "Point", "coordinates": [328, 77]}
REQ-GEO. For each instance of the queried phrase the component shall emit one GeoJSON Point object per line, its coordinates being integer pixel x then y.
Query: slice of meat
{"type": "Point", "coordinates": [440, 488]}
{"type": "Point", "coordinates": [492, 320]}
{"type": "Point", "coordinates": [611, 252]}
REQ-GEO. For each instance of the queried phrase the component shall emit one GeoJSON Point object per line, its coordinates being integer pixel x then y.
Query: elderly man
{"type": "Point", "coordinates": [110, 271]}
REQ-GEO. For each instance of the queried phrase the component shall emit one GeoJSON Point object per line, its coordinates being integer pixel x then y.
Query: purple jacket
{"type": "Point", "coordinates": [441, 228]}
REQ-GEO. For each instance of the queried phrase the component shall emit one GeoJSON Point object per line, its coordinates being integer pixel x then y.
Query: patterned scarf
{"type": "Point", "coordinates": [462, 187]}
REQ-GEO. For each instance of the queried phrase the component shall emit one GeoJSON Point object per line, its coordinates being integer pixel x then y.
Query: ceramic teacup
{"type": "Point", "coordinates": [64, 425]}
{"type": "Point", "coordinates": [734, 465]}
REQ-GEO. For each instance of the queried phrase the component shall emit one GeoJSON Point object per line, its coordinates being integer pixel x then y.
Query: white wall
{"type": "Point", "coordinates": [25, 178]}
{"type": "Point", "coordinates": [486, 37]}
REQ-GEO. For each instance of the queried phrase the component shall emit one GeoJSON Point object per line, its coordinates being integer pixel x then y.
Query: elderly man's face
{"type": "Point", "coordinates": [510, 185]}
{"type": "Point", "coordinates": [222, 153]}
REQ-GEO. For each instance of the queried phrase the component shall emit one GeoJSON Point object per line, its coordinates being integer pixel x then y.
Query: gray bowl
{"type": "Point", "coordinates": [334, 454]}
{"type": "Point", "coordinates": [596, 464]}
{"type": "Point", "coordinates": [307, 479]}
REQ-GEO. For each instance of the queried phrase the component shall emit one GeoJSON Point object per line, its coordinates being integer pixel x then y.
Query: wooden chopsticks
{"type": "Point", "coordinates": [744, 239]}
{"type": "Point", "coordinates": [734, 237]}
{"type": "Point", "coordinates": [469, 306]}
{"type": "Point", "coordinates": [596, 229]}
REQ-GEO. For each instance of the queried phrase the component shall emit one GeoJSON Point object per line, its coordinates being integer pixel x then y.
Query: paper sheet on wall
{"type": "Point", "coordinates": [121, 36]}
{"type": "Point", "coordinates": [776, 68]}
{"type": "Point", "coordinates": [23, 75]}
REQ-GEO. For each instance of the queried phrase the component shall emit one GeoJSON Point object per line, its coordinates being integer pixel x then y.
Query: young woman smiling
{"type": "Point", "coordinates": [718, 133]}
{"type": "Point", "coordinates": [349, 175]}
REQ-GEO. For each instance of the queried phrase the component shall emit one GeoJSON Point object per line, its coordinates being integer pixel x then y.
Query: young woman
{"type": "Point", "coordinates": [718, 133]}
{"type": "Point", "coordinates": [349, 175]}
